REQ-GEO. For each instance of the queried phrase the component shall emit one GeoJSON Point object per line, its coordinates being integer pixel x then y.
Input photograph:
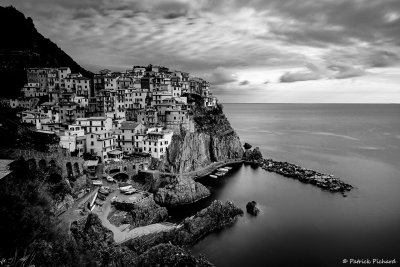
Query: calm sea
{"type": "Point", "coordinates": [300, 225]}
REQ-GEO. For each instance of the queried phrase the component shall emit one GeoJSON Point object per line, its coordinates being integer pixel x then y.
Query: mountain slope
{"type": "Point", "coordinates": [23, 47]}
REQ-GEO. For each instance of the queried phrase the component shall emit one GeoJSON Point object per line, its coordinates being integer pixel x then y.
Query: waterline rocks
{"type": "Point", "coordinates": [324, 181]}
{"type": "Point", "coordinates": [251, 208]}
{"type": "Point", "coordinates": [170, 255]}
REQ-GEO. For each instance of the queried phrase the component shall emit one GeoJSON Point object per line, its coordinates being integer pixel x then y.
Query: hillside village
{"type": "Point", "coordinates": [114, 115]}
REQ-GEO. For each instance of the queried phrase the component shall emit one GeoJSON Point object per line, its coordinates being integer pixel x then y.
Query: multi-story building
{"type": "Point", "coordinates": [74, 140]}
{"type": "Point", "coordinates": [126, 135]}
{"type": "Point", "coordinates": [32, 90]}
{"type": "Point", "coordinates": [156, 142]}
{"type": "Point", "coordinates": [148, 117]}
{"type": "Point", "coordinates": [100, 143]}
{"type": "Point", "coordinates": [70, 111]}
{"type": "Point", "coordinates": [95, 124]}
{"type": "Point", "coordinates": [34, 118]}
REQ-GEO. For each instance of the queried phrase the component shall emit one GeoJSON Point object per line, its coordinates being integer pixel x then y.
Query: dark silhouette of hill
{"type": "Point", "coordinates": [22, 46]}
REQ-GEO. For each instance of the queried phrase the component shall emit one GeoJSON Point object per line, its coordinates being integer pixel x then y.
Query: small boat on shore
{"type": "Point", "coordinates": [220, 174]}
{"type": "Point", "coordinates": [213, 176]}
{"type": "Point", "coordinates": [222, 170]}
{"type": "Point", "coordinates": [228, 168]}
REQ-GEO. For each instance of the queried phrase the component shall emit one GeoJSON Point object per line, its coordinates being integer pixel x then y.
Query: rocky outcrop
{"type": "Point", "coordinates": [252, 155]}
{"type": "Point", "coordinates": [96, 242]}
{"type": "Point", "coordinates": [137, 210]}
{"type": "Point", "coordinates": [181, 191]}
{"type": "Point", "coordinates": [251, 208]}
{"type": "Point", "coordinates": [215, 217]}
{"type": "Point", "coordinates": [170, 255]}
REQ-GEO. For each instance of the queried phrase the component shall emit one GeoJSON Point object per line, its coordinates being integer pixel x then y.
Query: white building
{"type": "Point", "coordinates": [156, 142]}
{"type": "Point", "coordinates": [100, 143]}
{"type": "Point", "coordinates": [74, 139]}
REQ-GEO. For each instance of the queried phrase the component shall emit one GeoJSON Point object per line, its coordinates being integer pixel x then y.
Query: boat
{"type": "Point", "coordinates": [110, 179]}
{"type": "Point", "coordinates": [125, 188]}
{"type": "Point", "coordinates": [102, 197]}
{"type": "Point", "coordinates": [99, 202]}
{"type": "Point", "coordinates": [97, 182]}
{"type": "Point", "coordinates": [219, 174]}
{"type": "Point", "coordinates": [213, 176]}
{"type": "Point", "coordinates": [130, 192]}
{"type": "Point", "coordinates": [104, 191]}
{"type": "Point", "coordinates": [222, 170]}
{"type": "Point", "coordinates": [229, 168]}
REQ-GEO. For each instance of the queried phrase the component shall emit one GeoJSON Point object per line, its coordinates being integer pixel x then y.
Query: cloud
{"type": "Point", "coordinates": [222, 76]}
{"type": "Point", "coordinates": [344, 71]}
{"type": "Point", "coordinates": [245, 82]}
{"type": "Point", "coordinates": [290, 77]}
{"type": "Point", "coordinates": [314, 72]}
{"type": "Point", "coordinates": [383, 59]}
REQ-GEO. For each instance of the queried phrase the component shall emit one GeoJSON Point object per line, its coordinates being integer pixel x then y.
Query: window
{"type": "Point", "coordinates": [92, 143]}
{"type": "Point", "coordinates": [155, 149]}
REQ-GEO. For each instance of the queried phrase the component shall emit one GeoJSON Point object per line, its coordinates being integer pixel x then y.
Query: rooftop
{"type": "Point", "coordinates": [92, 119]}
{"type": "Point", "coordinates": [129, 125]}
{"type": "Point", "coordinates": [115, 152]}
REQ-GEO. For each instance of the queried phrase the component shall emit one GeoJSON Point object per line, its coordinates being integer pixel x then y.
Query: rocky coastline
{"type": "Point", "coordinates": [215, 217]}
{"type": "Point", "coordinates": [166, 248]}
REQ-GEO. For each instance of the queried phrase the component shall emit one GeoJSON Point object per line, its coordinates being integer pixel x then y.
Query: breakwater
{"type": "Point", "coordinates": [324, 181]}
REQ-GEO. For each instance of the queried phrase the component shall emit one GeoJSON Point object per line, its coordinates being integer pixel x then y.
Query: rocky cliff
{"type": "Point", "coordinates": [213, 140]}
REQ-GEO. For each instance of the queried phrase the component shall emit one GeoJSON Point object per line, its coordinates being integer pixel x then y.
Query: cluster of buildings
{"type": "Point", "coordinates": [114, 113]}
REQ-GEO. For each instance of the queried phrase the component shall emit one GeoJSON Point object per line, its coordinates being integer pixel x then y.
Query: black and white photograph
{"type": "Point", "coordinates": [199, 133]}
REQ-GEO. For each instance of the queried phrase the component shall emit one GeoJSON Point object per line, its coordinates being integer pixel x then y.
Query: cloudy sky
{"type": "Point", "coordinates": [251, 51]}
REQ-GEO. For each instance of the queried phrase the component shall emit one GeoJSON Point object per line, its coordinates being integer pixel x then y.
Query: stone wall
{"type": "Point", "coordinates": [70, 166]}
